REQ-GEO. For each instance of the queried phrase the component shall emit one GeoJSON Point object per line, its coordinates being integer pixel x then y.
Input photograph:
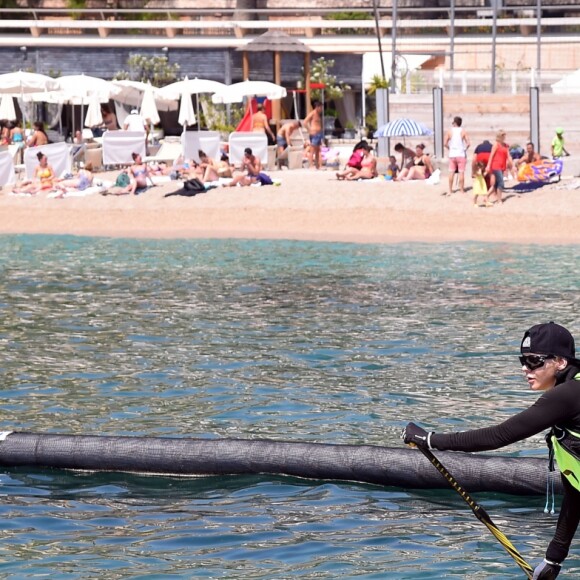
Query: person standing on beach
{"type": "Point", "coordinates": [284, 136]}
{"type": "Point", "coordinates": [558, 149]}
{"type": "Point", "coordinates": [550, 366]}
{"type": "Point", "coordinates": [457, 141]}
{"type": "Point", "coordinates": [260, 123]}
{"type": "Point", "coordinates": [499, 160]}
{"type": "Point", "coordinates": [313, 123]}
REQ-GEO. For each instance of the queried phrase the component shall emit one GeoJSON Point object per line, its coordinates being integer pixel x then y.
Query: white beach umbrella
{"type": "Point", "coordinates": [94, 117]}
{"type": "Point", "coordinates": [149, 107]}
{"type": "Point", "coordinates": [7, 110]}
{"type": "Point", "coordinates": [81, 86]}
{"type": "Point", "coordinates": [132, 92]}
{"type": "Point", "coordinates": [237, 92]}
{"type": "Point", "coordinates": [186, 113]}
{"type": "Point", "coordinates": [191, 86]}
{"type": "Point", "coordinates": [21, 82]}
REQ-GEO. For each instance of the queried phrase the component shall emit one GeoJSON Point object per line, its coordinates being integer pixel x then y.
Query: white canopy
{"type": "Point", "coordinates": [132, 93]}
{"type": "Point", "coordinates": [238, 91]}
{"type": "Point", "coordinates": [191, 86]}
{"type": "Point", "coordinates": [21, 82]}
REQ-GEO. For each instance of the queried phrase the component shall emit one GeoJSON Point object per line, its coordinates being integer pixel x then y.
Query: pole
{"type": "Point", "coordinates": [452, 41]}
{"type": "Point", "coordinates": [480, 514]}
{"type": "Point", "coordinates": [378, 29]}
{"type": "Point", "coordinates": [493, 49]}
{"type": "Point", "coordinates": [539, 35]}
{"type": "Point", "coordinates": [394, 47]}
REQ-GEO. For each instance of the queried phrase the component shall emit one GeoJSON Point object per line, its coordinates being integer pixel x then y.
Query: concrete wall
{"type": "Point", "coordinates": [484, 114]}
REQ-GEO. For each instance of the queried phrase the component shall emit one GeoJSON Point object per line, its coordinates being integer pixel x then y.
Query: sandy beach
{"type": "Point", "coordinates": [307, 205]}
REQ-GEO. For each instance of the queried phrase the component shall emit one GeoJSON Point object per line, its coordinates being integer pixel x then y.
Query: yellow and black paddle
{"type": "Point", "coordinates": [480, 513]}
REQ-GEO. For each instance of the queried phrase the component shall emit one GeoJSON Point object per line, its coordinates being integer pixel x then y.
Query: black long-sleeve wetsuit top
{"type": "Point", "coordinates": [559, 406]}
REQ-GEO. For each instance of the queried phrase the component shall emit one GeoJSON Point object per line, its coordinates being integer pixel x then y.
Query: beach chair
{"type": "Point", "coordinates": [207, 141]}
{"type": "Point", "coordinates": [168, 152]}
{"type": "Point", "coordinates": [118, 146]}
{"type": "Point", "coordinates": [7, 172]}
{"type": "Point", "coordinates": [257, 142]}
{"type": "Point", "coordinates": [58, 154]}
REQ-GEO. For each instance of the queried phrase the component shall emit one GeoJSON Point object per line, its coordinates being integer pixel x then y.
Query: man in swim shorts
{"type": "Point", "coordinates": [313, 122]}
{"type": "Point", "coordinates": [457, 141]}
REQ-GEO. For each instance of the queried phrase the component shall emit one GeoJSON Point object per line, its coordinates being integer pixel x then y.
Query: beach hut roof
{"type": "Point", "coordinates": [275, 41]}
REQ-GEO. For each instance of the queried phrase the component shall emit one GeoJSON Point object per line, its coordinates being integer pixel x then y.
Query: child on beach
{"type": "Point", "coordinates": [392, 169]}
{"type": "Point", "coordinates": [480, 187]}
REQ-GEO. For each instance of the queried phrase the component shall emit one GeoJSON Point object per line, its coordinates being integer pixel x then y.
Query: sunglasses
{"type": "Point", "coordinates": [534, 361]}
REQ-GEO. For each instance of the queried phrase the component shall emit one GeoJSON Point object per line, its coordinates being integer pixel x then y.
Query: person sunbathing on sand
{"type": "Point", "coordinates": [82, 181]}
{"type": "Point", "coordinates": [209, 167]}
{"type": "Point", "coordinates": [43, 178]}
{"type": "Point", "coordinates": [419, 167]}
{"type": "Point", "coordinates": [251, 167]}
{"type": "Point", "coordinates": [137, 175]}
{"type": "Point", "coordinates": [368, 168]}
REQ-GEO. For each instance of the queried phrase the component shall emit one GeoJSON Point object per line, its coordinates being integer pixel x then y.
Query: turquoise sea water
{"type": "Point", "coordinates": [336, 343]}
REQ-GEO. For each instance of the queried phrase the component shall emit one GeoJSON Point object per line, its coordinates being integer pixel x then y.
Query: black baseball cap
{"type": "Point", "coordinates": [550, 339]}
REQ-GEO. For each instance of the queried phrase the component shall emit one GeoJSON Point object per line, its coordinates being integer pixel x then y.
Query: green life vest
{"type": "Point", "coordinates": [565, 445]}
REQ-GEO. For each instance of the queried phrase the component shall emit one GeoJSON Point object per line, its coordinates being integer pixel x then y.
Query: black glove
{"type": "Point", "coordinates": [546, 570]}
{"type": "Point", "coordinates": [414, 434]}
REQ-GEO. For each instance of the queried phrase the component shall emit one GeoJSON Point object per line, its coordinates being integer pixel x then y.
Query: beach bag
{"type": "Point", "coordinates": [434, 178]}
{"type": "Point", "coordinates": [194, 185]}
{"type": "Point", "coordinates": [122, 180]}
{"type": "Point", "coordinates": [355, 160]}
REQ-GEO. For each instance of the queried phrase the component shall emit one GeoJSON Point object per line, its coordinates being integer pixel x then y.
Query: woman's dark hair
{"type": "Point", "coordinates": [361, 145]}
{"type": "Point", "coordinates": [40, 155]}
{"type": "Point", "coordinates": [38, 126]}
{"type": "Point", "coordinates": [134, 156]}
{"type": "Point", "coordinates": [399, 147]}
{"type": "Point", "coordinates": [421, 145]}
{"type": "Point", "coordinates": [201, 153]}
{"type": "Point", "coordinates": [224, 157]}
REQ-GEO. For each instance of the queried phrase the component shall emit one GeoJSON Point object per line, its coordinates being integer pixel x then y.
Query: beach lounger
{"type": "Point", "coordinates": [168, 152]}
{"type": "Point", "coordinates": [257, 142]}
{"type": "Point", "coordinates": [7, 173]}
{"type": "Point", "coordinates": [58, 154]}
{"type": "Point", "coordinates": [207, 141]}
{"type": "Point", "coordinates": [118, 146]}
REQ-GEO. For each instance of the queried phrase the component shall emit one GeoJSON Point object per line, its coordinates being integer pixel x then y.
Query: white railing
{"type": "Point", "coordinates": [467, 82]}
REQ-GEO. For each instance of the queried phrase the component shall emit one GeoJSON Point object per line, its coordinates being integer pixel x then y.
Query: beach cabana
{"type": "Point", "coordinates": [277, 42]}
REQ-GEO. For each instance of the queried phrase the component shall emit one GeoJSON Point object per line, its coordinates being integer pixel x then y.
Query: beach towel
{"type": "Point", "coordinates": [191, 188]}
{"type": "Point", "coordinates": [546, 171]}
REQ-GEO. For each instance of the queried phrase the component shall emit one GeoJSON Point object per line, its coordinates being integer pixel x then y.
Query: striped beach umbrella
{"type": "Point", "coordinates": [403, 128]}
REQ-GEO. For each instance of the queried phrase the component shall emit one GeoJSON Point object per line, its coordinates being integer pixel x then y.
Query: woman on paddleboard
{"type": "Point", "coordinates": [549, 363]}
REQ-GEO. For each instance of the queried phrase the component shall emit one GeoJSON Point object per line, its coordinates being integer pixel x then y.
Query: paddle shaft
{"type": "Point", "coordinates": [480, 513]}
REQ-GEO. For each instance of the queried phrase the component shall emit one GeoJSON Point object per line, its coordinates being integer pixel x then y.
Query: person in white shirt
{"type": "Point", "coordinates": [457, 141]}
{"type": "Point", "coordinates": [134, 122]}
